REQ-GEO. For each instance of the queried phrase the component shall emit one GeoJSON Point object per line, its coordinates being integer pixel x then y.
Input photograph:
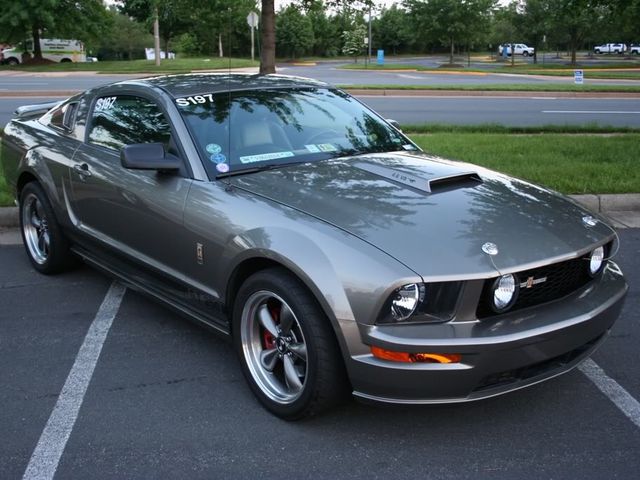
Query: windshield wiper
{"type": "Point", "coordinates": [262, 168]}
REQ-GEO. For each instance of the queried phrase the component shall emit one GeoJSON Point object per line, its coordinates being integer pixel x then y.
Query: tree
{"type": "Point", "coordinates": [175, 16]}
{"type": "Point", "coordinates": [451, 22]}
{"type": "Point", "coordinates": [354, 41]}
{"type": "Point", "coordinates": [575, 18]}
{"type": "Point", "coordinates": [294, 33]}
{"type": "Point", "coordinates": [79, 19]}
{"type": "Point", "coordinates": [124, 39]}
{"type": "Point", "coordinates": [393, 29]}
{"type": "Point", "coordinates": [326, 40]}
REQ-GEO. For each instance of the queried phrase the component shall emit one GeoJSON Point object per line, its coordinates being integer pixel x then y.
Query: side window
{"type": "Point", "coordinates": [64, 117]}
{"type": "Point", "coordinates": [122, 120]}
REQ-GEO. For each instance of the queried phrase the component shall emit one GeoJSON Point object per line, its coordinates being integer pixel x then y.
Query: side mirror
{"type": "Point", "coordinates": [394, 124]}
{"type": "Point", "coordinates": [148, 156]}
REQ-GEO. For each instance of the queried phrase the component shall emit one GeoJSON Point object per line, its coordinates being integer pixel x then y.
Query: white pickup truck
{"type": "Point", "coordinates": [519, 48]}
{"type": "Point", "coordinates": [618, 48]}
{"type": "Point", "coordinates": [635, 49]}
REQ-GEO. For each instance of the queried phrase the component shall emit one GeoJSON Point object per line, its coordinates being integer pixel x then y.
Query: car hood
{"type": "Point", "coordinates": [434, 215]}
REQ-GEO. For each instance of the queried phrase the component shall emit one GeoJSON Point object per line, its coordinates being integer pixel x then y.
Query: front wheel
{"type": "Point", "coordinates": [46, 245]}
{"type": "Point", "coordinates": [287, 347]}
{"type": "Point", "coordinates": [525, 54]}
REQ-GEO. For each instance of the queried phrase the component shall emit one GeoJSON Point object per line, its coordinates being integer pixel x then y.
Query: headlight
{"type": "Point", "coordinates": [596, 260]}
{"type": "Point", "coordinates": [505, 290]}
{"type": "Point", "coordinates": [405, 301]}
{"type": "Point", "coordinates": [421, 303]}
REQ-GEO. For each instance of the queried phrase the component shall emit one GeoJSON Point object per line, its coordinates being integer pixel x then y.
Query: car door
{"type": "Point", "coordinates": [137, 213]}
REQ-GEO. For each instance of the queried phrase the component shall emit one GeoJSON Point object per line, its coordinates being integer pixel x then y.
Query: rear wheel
{"type": "Point", "coordinates": [287, 348]}
{"type": "Point", "coordinates": [46, 245]}
{"type": "Point", "coordinates": [13, 61]}
{"type": "Point", "coordinates": [65, 60]}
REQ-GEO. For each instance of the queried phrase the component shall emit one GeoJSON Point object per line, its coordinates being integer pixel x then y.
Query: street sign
{"type": "Point", "coordinates": [252, 19]}
{"type": "Point", "coordinates": [578, 77]}
{"type": "Point", "coordinates": [380, 57]}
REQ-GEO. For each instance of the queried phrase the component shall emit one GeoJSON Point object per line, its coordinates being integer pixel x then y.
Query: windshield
{"type": "Point", "coordinates": [278, 127]}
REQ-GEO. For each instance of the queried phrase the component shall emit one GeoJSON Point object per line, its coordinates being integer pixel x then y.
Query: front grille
{"type": "Point", "coordinates": [561, 279]}
{"type": "Point", "coordinates": [546, 367]}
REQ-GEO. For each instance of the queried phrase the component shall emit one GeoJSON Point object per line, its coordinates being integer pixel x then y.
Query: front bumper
{"type": "Point", "coordinates": [499, 354]}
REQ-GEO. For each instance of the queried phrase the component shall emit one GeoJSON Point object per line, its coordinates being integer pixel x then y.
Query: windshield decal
{"type": "Point", "coordinates": [218, 158]}
{"type": "Point", "coordinates": [265, 156]}
{"type": "Point", "coordinates": [408, 146]}
{"type": "Point", "coordinates": [327, 147]}
{"type": "Point", "coordinates": [222, 167]}
{"type": "Point", "coordinates": [213, 148]}
{"type": "Point", "coordinates": [195, 100]}
{"type": "Point", "coordinates": [312, 148]}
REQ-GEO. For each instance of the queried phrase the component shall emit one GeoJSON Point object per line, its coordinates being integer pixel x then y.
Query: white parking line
{"type": "Point", "coordinates": [594, 112]}
{"type": "Point", "coordinates": [613, 390]}
{"type": "Point", "coordinates": [46, 456]}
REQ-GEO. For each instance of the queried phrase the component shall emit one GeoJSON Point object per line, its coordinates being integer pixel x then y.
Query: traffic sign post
{"type": "Point", "coordinates": [252, 21]}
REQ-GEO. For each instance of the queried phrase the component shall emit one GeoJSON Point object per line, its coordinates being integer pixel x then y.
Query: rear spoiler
{"type": "Point", "coordinates": [34, 110]}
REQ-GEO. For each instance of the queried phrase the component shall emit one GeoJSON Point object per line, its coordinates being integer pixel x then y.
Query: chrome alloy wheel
{"type": "Point", "coordinates": [274, 347]}
{"type": "Point", "coordinates": [36, 229]}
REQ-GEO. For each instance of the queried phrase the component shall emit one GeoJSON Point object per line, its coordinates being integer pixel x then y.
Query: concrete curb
{"type": "Point", "coordinates": [9, 217]}
{"type": "Point", "coordinates": [605, 203]}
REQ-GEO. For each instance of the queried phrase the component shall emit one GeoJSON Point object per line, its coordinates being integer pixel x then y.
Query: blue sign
{"type": "Point", "coordinates": [380, 57]}
{"type": "Point", "coordinates": [578, 77]}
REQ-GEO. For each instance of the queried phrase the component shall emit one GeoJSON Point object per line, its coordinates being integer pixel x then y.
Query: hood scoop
{"type": "Point", "coordinates": [427, 183]}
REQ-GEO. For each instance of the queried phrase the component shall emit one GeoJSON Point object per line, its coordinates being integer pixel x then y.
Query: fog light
{"type": "Point", "coordinates": [505, 290]}
{"type": "Point", "coordinates": [596, 261]}
{"type": "Point", "coordinates": [406, 300]}
{"type": "Point", "coordinates": [415, 357]}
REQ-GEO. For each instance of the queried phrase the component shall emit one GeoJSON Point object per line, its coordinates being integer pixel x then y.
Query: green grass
{"type": "Point", "coordinates": [571, 164]}
{"type": "Point", "coordinates": [506, 87]}
{"type": "Point", "coordinates": [178, 65]}
{"type": "Point", "coordinates": [6, 199]}
{"type": "Point", "coordinates": [502, 129]}
{"type": "Point", "coordinates": [619, 71]}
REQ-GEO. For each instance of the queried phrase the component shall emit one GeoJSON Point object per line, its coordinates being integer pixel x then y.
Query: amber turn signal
{"type": "Point", "coordinates": [415, 357]}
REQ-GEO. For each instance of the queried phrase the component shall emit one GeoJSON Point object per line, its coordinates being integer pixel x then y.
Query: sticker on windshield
{"type": "Point", "coordinates": [213, 148]}
{"type": "Point", "coordinates": [218, 158]}
{"type": "Point", "coordinates": [265, 156]}
{"type": "Point", "coordinates": [222, 167]}
{"type": "Point", "coordinates": [408, 146]}
{"type": "Point", "coordinates": [312, 148]}
{"type": "Point", "coordinates": [327, 147]}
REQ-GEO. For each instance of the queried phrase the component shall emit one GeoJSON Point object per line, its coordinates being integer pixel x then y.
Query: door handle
{"type": "Point", "coordinates": [82, 169]}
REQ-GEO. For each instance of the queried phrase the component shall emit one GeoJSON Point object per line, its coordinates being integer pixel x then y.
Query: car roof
{"type": "Point", "coordinates": [197, 83]}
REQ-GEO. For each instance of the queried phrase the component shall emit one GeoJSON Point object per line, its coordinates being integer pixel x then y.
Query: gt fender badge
{"type": "Point", "coordinates": [199, 253]}
{"type": "Point", "coordinates": [490, 248]}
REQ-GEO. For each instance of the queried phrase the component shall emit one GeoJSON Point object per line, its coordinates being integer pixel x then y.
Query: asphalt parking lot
{"type": "Point", "coordinates": [167, 400]}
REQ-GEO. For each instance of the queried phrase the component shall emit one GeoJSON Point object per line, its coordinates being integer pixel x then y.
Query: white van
{"type": "Point", "coordinates": [53, 49]}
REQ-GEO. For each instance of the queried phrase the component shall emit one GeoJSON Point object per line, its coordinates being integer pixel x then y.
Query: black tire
{"type": "Point", "coordinates": [45, 244]}
{"type": "Point", "coordinates": [525, 54]}
{"type": "Point", "coordinates": [324, 383]}
{"type": "Point", "coordinates": [65, 60]}
{"type": "Point", "coordinates": [13, 61]}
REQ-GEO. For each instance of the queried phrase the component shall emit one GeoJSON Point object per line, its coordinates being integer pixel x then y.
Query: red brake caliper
{"type": "Point", "coordinates": [269, 340]}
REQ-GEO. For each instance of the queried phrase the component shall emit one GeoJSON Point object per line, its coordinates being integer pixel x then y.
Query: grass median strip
{"type": "Point", "coordinates": [571, 160]}
{"type": "Point", "coordinates": [178, 65]}
{"type": "Point", "coordinates": [501, 87]}
{"type": "Point", "coordinates": [572, 164]}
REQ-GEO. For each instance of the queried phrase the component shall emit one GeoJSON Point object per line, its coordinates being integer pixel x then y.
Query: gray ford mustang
{"type": "Point", "coordinates": [337, 256]}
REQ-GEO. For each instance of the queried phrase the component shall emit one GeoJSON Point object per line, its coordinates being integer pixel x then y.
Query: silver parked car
{"type": "Point", "coordinates": [336, 255]}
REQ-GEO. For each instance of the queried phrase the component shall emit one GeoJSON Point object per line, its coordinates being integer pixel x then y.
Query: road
{"type": "Point", "coordinates": [167, 400]}
{"type": "Point", "coordinates": [526, 111]}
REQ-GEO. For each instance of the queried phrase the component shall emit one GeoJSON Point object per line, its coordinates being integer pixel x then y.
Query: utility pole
{"type": "Point", "coordinates": [156, 36]}
{"type": "Point", "coordinates": [369, 33]}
